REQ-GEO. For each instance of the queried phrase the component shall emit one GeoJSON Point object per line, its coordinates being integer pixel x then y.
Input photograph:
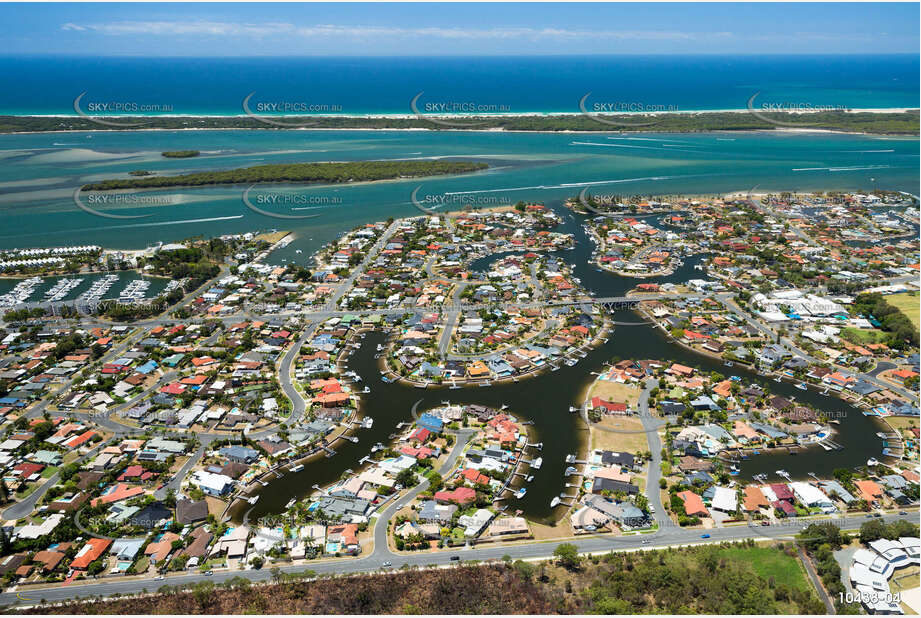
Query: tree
{"type": "Point", "coordinates": [641, 502]}
{"type": "Point", "coordinates": [435, 480]}
{"type": "Point", "coordinates": [872, 531]}
{"type": "Point", "coordinates": [568, 555]}
{"type": "Point", "coordinates": [406, 478]}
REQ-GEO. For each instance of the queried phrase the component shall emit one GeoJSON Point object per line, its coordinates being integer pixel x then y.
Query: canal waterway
{"type": "Point", "coordinates": [546, 399]}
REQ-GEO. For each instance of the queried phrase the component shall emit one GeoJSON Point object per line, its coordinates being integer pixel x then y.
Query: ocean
{"type": "Point", "coordinates": [218, 86]}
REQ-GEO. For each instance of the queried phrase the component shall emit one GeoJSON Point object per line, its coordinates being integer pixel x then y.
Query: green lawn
{"type": "Point", "coordinates": [142, 565]}
{"type": "Point", "coordinates": [907, 303]}
{"type": "Point", "coordinates": [769, 562]}
{"type": "Point", "coordinates": [860, 336]}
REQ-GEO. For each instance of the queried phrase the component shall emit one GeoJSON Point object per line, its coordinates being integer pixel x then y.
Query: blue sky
{"type": "Point", "coordinates": [427, 29]}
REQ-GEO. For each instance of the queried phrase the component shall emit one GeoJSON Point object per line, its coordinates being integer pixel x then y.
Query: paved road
{"type": "Point", "coordinates": [177, 479]}
{"type": "Point", "coordinates": [381, 549]}
{"type": "Point", "coordinates": [670, 536]}
{"type": "Point", "coordinates": [651, 426]}
{"type": "Point", "coordinates": [116, 351]}
{"type": "Point", "coordinates": [790, 345]}
{"type": "Point", "coordinates": [816, 582]}
{"type": "Point", "coordinates": [25, 506]}
{"type": "Point", "coordinates": [769, 210]}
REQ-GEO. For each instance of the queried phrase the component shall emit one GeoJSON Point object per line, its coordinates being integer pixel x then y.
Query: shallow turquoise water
{"type": "Point", "coordinates": [40, 172]}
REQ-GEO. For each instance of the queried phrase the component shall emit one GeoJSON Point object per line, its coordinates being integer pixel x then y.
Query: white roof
{"type": "Point", "coordinates": [808, 494]}
{"type": "Point", "coordinates": [216, 482]}
{"type": "Point", "coordinates": [32, 531]}
{"type": "Point", "coordinates": [888, 549]}
{"type": "Point", "coordinates": [376, 476]}
{"type": "Point", "coordinates": [724, 499]}
{"type": "Point", "coordinates": [862, 576]}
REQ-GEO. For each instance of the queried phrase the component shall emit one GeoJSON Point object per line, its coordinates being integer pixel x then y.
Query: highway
{"type": "Point", "coordinates": [528, 550]}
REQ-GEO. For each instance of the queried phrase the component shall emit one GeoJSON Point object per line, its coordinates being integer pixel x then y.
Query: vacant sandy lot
{"type": "Point", "coordinates": [612, 391]}
{"type": "Point", "coordinates": [626, 435]}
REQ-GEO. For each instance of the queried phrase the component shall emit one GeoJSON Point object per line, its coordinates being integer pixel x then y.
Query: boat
{"type": "Point", "coordinates": [367, 422]}
{"type": "Point", "coordinates": [555, 502]}
{"type": "Point", "coordinates": [872, 462]}
{"type": "Point", "coordinates": [297, 468]}
{"type": "Point", "coordinates": [802, 386]}
{"type": "Point", "coordinates": [573, 409]}
{"type": "Point", "coordinates": [521, 492]}
{"type": "Point", "coordinates": [537, 463]}
{"type": "Point", "coordinates": [778, 380]}
{"type": "Point", "coordinates": [728, 364]}
{"type": "Point", "coordinates": [529, 478]}
{"type": "Point", "coordinates": [571, 470]}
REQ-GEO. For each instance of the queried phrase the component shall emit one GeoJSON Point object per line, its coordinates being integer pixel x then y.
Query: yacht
{"type": "Point", "coordinates": [802, 386]}
{"type": "Point", "coordinates": [297, 468]}
{"type": "Point", "coordinates": [872, 462]}
{"type": "Point", "coordinates": [521, 492]}
{"type": "Point", "coordinates": [537, 463]}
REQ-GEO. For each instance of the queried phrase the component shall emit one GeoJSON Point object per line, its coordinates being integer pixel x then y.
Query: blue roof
{"type": "Point", "coordinates": [430, 422]}
{"type": "Point", "coordinates": [147, 367]}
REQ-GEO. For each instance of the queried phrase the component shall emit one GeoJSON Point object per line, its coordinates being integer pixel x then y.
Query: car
{"type": "Point", "coordinates": [869, 515]}
{"type": "Point", "coordinates": [765, 523]}
{"type": "Point", "coordinates": [705, 536]}
{"type": "Point", "coordinates": [159, 578]}
{"type": "Point", "coordinates": [455, 557]}
{"type": "Point", "coordinates": [645, 541]}
{"type": "Point", "coordinates": [209, 573]}
{"type": "Point", "coordinates": [903, 512]}
{"type": "Point", "coordinates": [877, 514]}
{"type": "Point", "coordinates": [387, 564]}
